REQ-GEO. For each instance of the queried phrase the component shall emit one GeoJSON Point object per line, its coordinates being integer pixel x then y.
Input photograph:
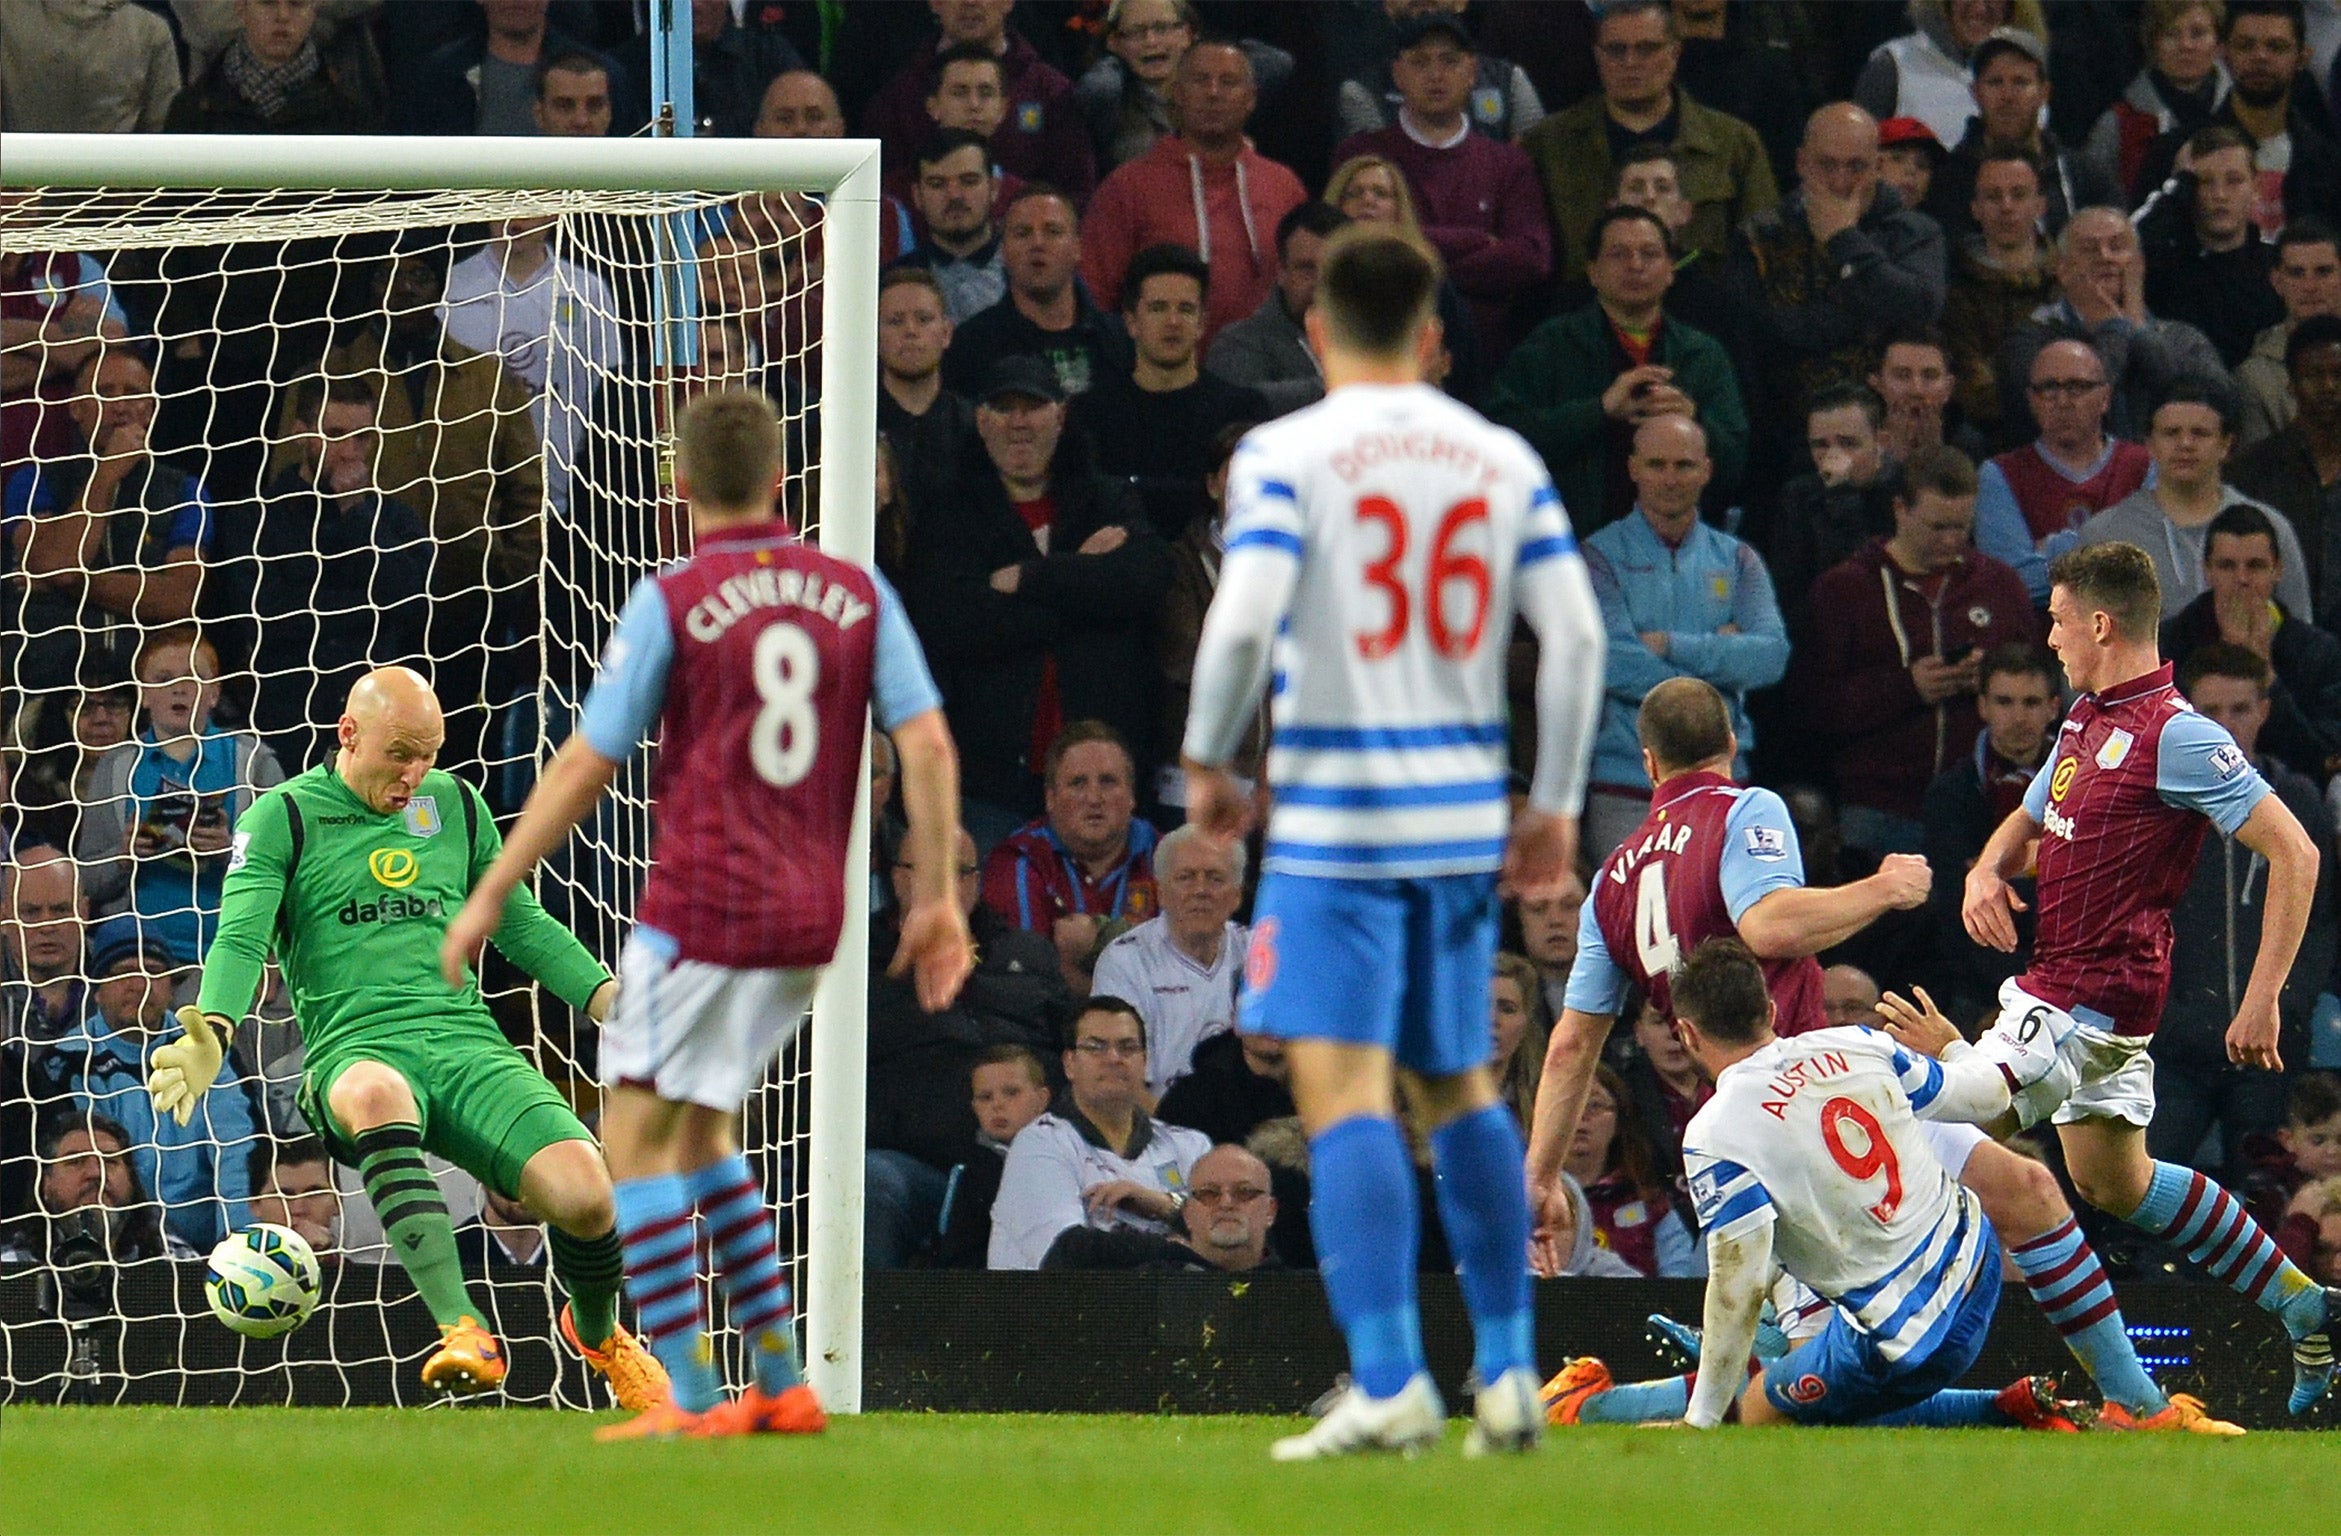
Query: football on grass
{"type": "Point", "coordinates": [263, 1281]}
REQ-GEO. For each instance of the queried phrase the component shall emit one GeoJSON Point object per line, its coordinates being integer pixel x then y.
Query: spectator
{"type": "Point", "coordinates": [2276, 105]}
{"type": "Point", "coordinates": [109, 537]}
{"type": "Point", "coordinates": [2216, 930]}
{"type": "Point", "coordinates": [1548, 938]}
{"type": "Point", "coordinates": [1010, 1089]}
{"type": "Point", "coordinates": [274, 78]}
{"type": "Point", "coordinates": [292, 1186]}
{"type": "Point", "coordinates": [69, 67]}
{"type": "Point", "coordinates": [1502, 101]}
{"type": "Point", "coordinates": [155, 835]}
{"type": "Point", "coordinates": [2297, 1180]}
{"type": "Point", "coordinates": [1267, 350]}
{"type": "Point", "coordinates": [799, 104]}
{"type": "Point", "coordinates": [56, 312]}
{"type": "Point", "coordinates": [1047, 314]}
{"type": "Point", "coordinates": [1924, 72]}
{"type": "Point", "coordinates": [1584, 383]}
{"type": "Point", "coordinates": [1912, 375]}
{"type": "Point", "coordinates": [1523, 1028]}
{"type": "Point", "coordinates": [2032, 501]}
{"type": "Point", "coordinates": [42, 996]}
{"type": "Point", "coordinates": [2016, 697]}
{"type": "Point", "coordinates": [1748, 64]}
{"type": "Point", "coordinates": [1095, 1159]}
{"type": "Point", "coordinates": [344, 575]}
{"type": "Point", "coordinates": [2101, 277]}
{"type": "Point", "coordinates": [487, 82]}
{"type": "Point", "coordinates": [2307, 281]}
{"type": "Point", "coordinates": [91, 1205]}
{"type": "Point", "coordinates": [1240, 1082]}
{"type": "Point", "coordinates": [1849, 998]}
{"type": "Point", "coordinates": [1477, 196]}
{"type": "Point", "coordinates": [1679, 599]}
{"type": "Point", "coordinates": [2183, 83]}
{"type": "Point", "coordinates": [1892, 661]}
{"type": "Point", "coordinates": [572, 96]}
{"type": "Point", "coordinates": [2192, 433]}
{"type": "Point", "coordinates": [1724, 175]}
{"type": "Point", "coordinates": [1082, 873]}
{"type": "Point", "coordinates": [1205, 188]}
{"type": "Point", "coordinates": [1577, 1240]}
{"type": "Point", "coordinates": [1222, 1226]}
{"type": "Point", "coordinates": [1650, 177]}
{"type": "Point", "coordinates": [1844, 502]}
{"type": "Point", "coordinates": [927, 423]}
{"type": "Point", "coordinates": [2206, 264]}
{"type": "Point", "coordinates": [1664, 1088]}
{"type": "Point", "coordinates": [1909, 156]}
{"type": "Point", "coordinates": [1125, 95]}
{"type": "Point", "coordinates": [1612, 1162]}
{"type": "Point", "coordinates": [1180, 968]}
{"type": "Point", "coordinates": [1042, 136]}
{"type": "Point", "coordinates": [1370, 190]}
{"type": "Point", "coordinates": [953, 190]}
{"type": "Point", "coordinates": [970, 95]}
{"type": "Point", "coordinates": [2299, 721]}
{"type": "Point", "coordinates": [2010, 87]}
{"type": "Point", "coordinates": [504, 1235]}
{"type": "Point", "coordinates": [2000, 273]}
{"type": "Point", "coordinates": [2298, 471]}
{"type": "Point", "coordinates": [198, 1171]}
{"type": "Point", "coordinates": [1195, 561]}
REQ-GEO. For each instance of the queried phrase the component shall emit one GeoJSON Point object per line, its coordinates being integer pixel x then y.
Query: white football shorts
{"type": "Point", "coordinates": [695, 1033]}
{"type": "Point", "coordinates": [2098, 1075]}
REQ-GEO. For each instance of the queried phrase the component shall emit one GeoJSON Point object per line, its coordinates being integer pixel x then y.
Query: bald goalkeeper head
{"type": "Point", "coordinates": [390, 735]}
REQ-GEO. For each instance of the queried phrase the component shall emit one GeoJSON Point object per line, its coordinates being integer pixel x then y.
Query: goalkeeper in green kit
{"type": "Point", "coordinates": [351, 872]}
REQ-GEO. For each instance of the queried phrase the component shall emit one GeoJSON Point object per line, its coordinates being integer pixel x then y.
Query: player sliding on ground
{"type": "Point", "coordinates": [758, 662]}
{"type": "Point", "coordinates": [1391, 533]}
{"type": "Point", "coordinates": [1809, 1156]}
{"type": "Point", "coordinates": [1715, 860]}
{"type": "Point", "coordinates": [349, 872]}
{"type": "Point", "coordinates": [2118, 814]}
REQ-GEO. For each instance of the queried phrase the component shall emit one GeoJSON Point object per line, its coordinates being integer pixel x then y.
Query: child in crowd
{"type": "Point", "coordinates": [1010, 1089]}
{"type": "Point", "coordinates": [2296, 1184]}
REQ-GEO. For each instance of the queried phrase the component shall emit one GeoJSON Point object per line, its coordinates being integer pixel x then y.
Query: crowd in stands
{"type": "Point", "coordinates": [1833, 323]}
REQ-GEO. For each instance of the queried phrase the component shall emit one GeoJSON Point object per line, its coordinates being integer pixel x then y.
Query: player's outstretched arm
{"type": "Point", "coordinates": [1804, 920]}
{"type": "Point", "coordinates": [572, 784]}
{"type": "Point", "coordinates": [1739, 1271]}
{"type": "Point", "coordinates": [2275, 834]}
{"type": "Point", "coordinates": [1569, 1060]}
{"type": "Point", "coordinates": [253, 893]}
{"type": "Point", "coordinates": [935, 942]}
{"type": "Point", "coordinates": [1988, 906]}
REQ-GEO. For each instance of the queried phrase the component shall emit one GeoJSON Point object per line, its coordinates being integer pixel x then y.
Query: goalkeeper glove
{"type": "Point", "coordinates": [184, 1070]}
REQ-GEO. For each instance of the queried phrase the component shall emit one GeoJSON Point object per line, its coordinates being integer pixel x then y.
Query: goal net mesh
{"type": "Point", "coordinates": [256, 443]}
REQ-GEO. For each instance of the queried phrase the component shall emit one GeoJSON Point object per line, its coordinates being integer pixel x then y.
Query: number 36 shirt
{"type": "Point", "coordinates": [762, 657]}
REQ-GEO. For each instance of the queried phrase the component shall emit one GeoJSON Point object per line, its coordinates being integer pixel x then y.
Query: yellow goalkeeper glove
{"type": "Point", "coordinates": [184, 1070]}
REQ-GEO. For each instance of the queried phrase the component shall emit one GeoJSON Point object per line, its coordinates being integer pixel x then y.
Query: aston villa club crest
{"type": "Point", "coordinates": [422, 816]}
{"type": "Point", "coordinates": [2117, 747]}
{"type": "Point", "coordinates": [1028, 116]}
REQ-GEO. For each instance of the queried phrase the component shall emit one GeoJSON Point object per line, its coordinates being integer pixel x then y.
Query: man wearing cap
{"type": "Point", "coordinates": [1909, 154]}
{"type": "Point", "coordinates": [1039, 598]}
{"type": "Point", "coordinates": [2010, 86]}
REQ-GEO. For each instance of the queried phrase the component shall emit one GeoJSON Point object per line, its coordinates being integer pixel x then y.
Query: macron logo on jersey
{"type": "Point", "coordinates": [738, 596]}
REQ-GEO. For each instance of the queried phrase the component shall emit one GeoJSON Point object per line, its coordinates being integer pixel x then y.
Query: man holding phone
{"type": "Point", "coordinates": [1891, 673]}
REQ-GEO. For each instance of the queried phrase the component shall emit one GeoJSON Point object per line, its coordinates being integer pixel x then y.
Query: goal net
{"type": "Point", "coordinates": [276, 412]}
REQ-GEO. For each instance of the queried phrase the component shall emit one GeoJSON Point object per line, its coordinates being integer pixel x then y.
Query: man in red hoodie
{"type": "Point", "coordinates": [1890, 676]}
{"type": "Point", "coordinates": [1204, 187]}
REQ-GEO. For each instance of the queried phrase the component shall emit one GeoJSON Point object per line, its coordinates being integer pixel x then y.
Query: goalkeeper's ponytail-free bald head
{"type": "Point", "coordinates": [727, 449]}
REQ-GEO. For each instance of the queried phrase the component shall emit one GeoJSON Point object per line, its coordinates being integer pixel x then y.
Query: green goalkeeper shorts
{"type": "Point", "coordinates": [483, 1107]}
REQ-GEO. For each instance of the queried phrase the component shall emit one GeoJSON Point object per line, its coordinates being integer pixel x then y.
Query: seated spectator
{"type": "Point", "coordinates": [1368, 189]}
{"type": "Point", "coordinates": [1267, 351]}
{"type": "Point", "coordinates": [62, 736]}
{"type": "Point", "coordinates": [2031, 502]}
{"type": "Point", "coordinates": [2183, 83]}
{"type": "Point", "coordinates": [2307, 281]}
{"type": "Point", "coordinates": [1477, 196]}
{"type": "Point", "coordinates": [2010, 87]}
{"type": "Point", "coordinates": [928, 424]}
{"type": "Point", "coordinates": [1649, 176]}
{"type": "Point", "coordinates": [1195, 560]}
{"type": "Point", "coordinates": [2017, 694]}
{"type": "Point", "coordinates": [1849, 998]}
{"type": "Point", "coordinates": [1548, 939]}
{"type": "Point", "coordinates": [1583, 384]}
{"type": "Point", "coordinates": [110, 536]}
{"type": "Point", "coordinates": [42, 995]}
{"type": "Point", "coordinates": [1679, 599]}
{"type": "Point", "coordinates": [67, 67]}
{"type": "Point", "coordinates": [156, 834]}
{"type": "Point", "coordinates": [486, 82]}
{"type": "Point", "coordinates": [970, 95]}
{"type": "Point", "coordinates": [1009, 1088]}
{"type": "Point", "coordinates": [292, 1186]}
{"type": "Point", "coordinates": [2216, 926]}
{"type": "Point", "coordinates": [2301, 725]}
{"type": "Point", "coordinates": [1222, 1226]}
{"type": "Point", "coordinates": [1664, 1089]}
{"type": "Point", "coordinates": [2206, 264]}
{"type": "Point", "coordinates": [2190, 436]}
{"type": "Point", "coordinates": [1166, 415]}
{"type": "Point", "coordinates": [1041, 593]}
{"type": "Point", "coordinates": [57, 311]}
{"type": "Point", "coordinates": [2296, 1183]}
{"type": "Point", "coordinates": [1502, 100]}
{"type": "Point", "coordinates": [1043, 134]}
{"type": "Point", "coordinates": [573, 96]}
{"type": "Point", "coordinates": [1912, 373]}
{"type": "Point", "coordinates": [1205, 188]}
{"type": "Point", "coordinates": [953, 189]}
{"type": "Point", "coordinates": [1909, 155]}
{"type": "Point", "coordinates": [1082, 873]}
{"type": "Point", "coordinates": [1523, 1027]}
{"type": "Point", "coordinates": [2265, 43]}
{"type": "Point", "coordinates": [1844, 502]}
{"type": "Point", "coordinates": [2298, 470]}
{"type": "Point", "coordinates": [1891, 662]}
{"type": "Point", "coordinates": [1924, 72]}
{"type": "Point", "coordinates": [1096, 1159]}
{"type": "Point", "coordinates": [1634, 1216]}
{"type": "Point", "coordinates": [2101, 281]}
{"type": "Point", "coordinates": [275, 78]}
{"type": "Point", "coordinates": [1574, 1247]}
{"type": "Point", "coordinates": [1724, 174]}
{"type": "Point", "coordinates": [1047, 314]}
{"type": "Point", "coordinates": [2001, 271]}
{"type": "Point", "coordinates": [1240, 1083]}
{"type": "Point", "coordinates": [90, 1206]}
{"type": "Point", "coordinates": [1180, 968]}
{"type": "Point", "coordinates": [344, 575]}
{"type": "Point", "coordinates": [504, 1235]}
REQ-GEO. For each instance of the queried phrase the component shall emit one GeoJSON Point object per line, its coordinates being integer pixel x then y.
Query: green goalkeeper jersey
{"type": "Point", "coordinates": [355, 903]}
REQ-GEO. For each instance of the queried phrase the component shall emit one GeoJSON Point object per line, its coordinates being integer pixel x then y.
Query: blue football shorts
{"type": "Point", "coordinates": [1839, 1376]}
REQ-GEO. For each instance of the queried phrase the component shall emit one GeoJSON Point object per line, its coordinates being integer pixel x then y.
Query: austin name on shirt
{"type": "Point", "coordinates": [738, 596]}
{"type": "Point", "coordinates": [1812, 1069]}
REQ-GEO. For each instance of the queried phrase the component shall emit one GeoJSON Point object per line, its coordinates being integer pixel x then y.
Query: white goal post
{"type": "Point", "coordinates": [88, 192]}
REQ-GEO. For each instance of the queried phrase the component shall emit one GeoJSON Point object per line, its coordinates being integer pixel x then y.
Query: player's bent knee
{"type": "Point", "coordinates": [567, 1184]}
{"type": "Point", "coordinates": [369, 1094]}
{"type": "Point", "coordinates": [2019, 1195]}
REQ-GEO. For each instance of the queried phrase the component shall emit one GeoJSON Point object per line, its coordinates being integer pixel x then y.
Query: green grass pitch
{"type": "Point", "coordinates": [512, 1471]}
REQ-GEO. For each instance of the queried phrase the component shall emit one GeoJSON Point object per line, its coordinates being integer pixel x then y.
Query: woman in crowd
{"type": "Point", "coordinates": [2182, 85]}
{"type": "Point", "coordinates": [1632, 1206]}
{"type": "Point", "coordinates": [1371, 190]}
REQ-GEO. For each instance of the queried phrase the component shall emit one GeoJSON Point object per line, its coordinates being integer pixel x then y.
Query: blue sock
{"type": "Point", "coordinates": [1484, 1205]}
{"type": "Point", "coordinates": [1951, 1408]}
{"type": "Point", "coordinates": [662, 1280]}
{"type": "Point", "coordinates": [1639, 1402]}
{"type": "Point", "coordinates": [2191, 1212]}
{"type": "Point", "coordinates": [2069, 1285]}
{"type": "Point", "coordinates": [1363, 1216]}
{"type": "Point", "coordinates": [748, 1262]}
